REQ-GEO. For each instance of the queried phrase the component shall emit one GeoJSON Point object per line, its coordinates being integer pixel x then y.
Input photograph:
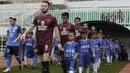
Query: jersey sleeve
{"type": "Point", "coordinates": [19, 29]}
{"type": "Point", "coordinates": [77, 48]}
{"type": "Point", "coordinates": [35, 21]}
{"type": "Point", "coordinates": [65, 46]}
{"type": "Point", "coordinates": [54, 22]}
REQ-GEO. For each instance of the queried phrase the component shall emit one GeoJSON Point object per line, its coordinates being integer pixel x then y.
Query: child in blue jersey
{"type": "Point", "coordinates": [70, 52]}
{"type": "Point", "coordinates": [117, 48]}
{"type": "Point", "coordinates": [107, 50]}
{"type": "Point", "coordinates": [101, 41]}
{"type": "Point", "coordinates": [95, 45]}
{"type": "Point", "coordinates": [111, 49]}
{"type": "Point", "coordinates": [13, 44]}
{"type": "Point", "coordinates": [29, 51]}
{"type": "Point", "coordinates": [84, 56]}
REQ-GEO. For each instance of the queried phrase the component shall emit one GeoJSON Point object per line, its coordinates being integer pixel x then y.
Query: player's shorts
{"type": "Point", "coordinates": [29, 52]}
{"type": "Point", "coordinates": [84, 60]}
{"type": "Point", "coordinates": [13, 50]}
{"type": "Point", "coordinates": [70, 64]}
{"type": "Point", "coordinates": [41, 49]}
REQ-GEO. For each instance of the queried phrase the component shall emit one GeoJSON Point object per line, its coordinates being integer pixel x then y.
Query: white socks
{"type": "Point", "coordinates": [111, 59]}
{"type": "Point", "coordinates": [95, 67]}
{"type": "Point", "coordinates": [71, 71]}
{"type": "Point", "coordinates": [31, 61]}
{"type": "Point", "coordinates": [108, 59]}
{"type": "Point", "coordinates": [87, 70]}
{"type": "Point", "coordinates": [25, 60]}
{"type": "Point", "coordinates": [80, 70]}
{"type": "Point", "coordinates": [99, 62]}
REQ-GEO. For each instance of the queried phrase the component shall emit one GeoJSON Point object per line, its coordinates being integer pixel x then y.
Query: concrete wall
{"type": "Point", "coordinates": [99, 4]}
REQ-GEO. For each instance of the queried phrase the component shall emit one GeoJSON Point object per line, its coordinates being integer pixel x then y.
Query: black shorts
{"type": "Point", "coordinates": [41, 49]}
{"type": "Point", "coordinates": [13, 50]}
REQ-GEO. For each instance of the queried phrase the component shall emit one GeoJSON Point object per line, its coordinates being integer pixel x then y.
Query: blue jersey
{"type": "Point", "coordinates": [101, 41]}
{"type": "Point", "coordinates": [117, 45]}
{"type": "Point", "coordinates": [70, 50]}
{"type": "Point", "coordinates": [112, 45]}
{"type": "Point", "coordinates": [13, 33]}
{"type": "Point", "coordinates": [29, 43]}
{"type": "Point", "coordinates": [106, 44]}
{"type": "Point", "coordinates": [84, 45]}
{"type": "Point", "coordinates": [95, 44]}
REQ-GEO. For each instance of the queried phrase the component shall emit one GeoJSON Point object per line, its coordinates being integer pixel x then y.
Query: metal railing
{"type": "Point", "coordinates": [3, 40]}
{"type": "Point", "coordinates": [121, 16]}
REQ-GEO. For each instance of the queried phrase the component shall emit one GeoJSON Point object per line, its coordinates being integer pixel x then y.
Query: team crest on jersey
{"type": "Point", "coordinates": [42, 22]}
{"type": "Point", "coordinates": [47, 20]}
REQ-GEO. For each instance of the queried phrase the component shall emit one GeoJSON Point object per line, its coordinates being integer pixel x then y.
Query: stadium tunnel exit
{"type": "Point", "coordinates": [115, 30]}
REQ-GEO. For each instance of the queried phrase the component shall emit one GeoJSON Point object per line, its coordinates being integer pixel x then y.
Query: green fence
{"type": "Point", "coordinates": [118, 16]}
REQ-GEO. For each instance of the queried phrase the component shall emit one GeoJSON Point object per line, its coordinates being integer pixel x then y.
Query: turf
{"type": "Point", "coordinates": [114, 68]}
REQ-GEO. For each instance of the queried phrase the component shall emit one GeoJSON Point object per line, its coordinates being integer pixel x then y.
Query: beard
{"type": "Point", "coordinates": [44, 12]}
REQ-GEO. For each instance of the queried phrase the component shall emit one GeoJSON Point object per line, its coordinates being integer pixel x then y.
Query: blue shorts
{"type": "Point", "coordinates": [29, 52]}
{"type": "Point", "coordinates": [116, 51]}
{"type": "Point", "coordinates": [100, 53]}
{"type": "Point", "coordinates": [84, 59]}
{"type": "Point", "coordinates": [108, 52]}
{"type": "Point", "coordinates": [70, 63]}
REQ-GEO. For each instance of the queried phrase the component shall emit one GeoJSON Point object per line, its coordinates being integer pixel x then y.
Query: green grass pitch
{"type": "Point", "coordinates": [114, 68]}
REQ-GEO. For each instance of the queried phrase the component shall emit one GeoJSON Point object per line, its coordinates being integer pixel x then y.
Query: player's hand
{"type": "Point", "coordinates": [75, 57]}
{"type": "Point", "coordinates": [14, 41]}
{"type": "Point", "coordinates": [59, 46]}
{"type": "Point", "coordinates": [23, 37]}
{"type": "Point", "coordinates": [94, 55]}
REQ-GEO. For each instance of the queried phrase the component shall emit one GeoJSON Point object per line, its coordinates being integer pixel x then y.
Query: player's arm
{"type": "Point", "coordinates": [32, 26]}
{"type": "Point", "coordinates": [57, 34]}
{"type": "Point", "coordinates": [93, 52]}
{"type": "Point", "coordinates": [77, 52]}
{"type": "Point", "coordinates": [19, 35]}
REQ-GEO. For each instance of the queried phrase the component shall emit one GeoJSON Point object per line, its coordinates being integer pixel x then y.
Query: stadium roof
{"type": "Point", "coordinates": [116, 30]}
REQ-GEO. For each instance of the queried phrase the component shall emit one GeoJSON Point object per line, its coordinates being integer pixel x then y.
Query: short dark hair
{"type": "Point", "coordinates": [46, 2]}
{"type": "Point", "coordinates": [77, 18]}
{"type": "Point", "coordinates": [23, 28]}
{"type": "Point", "coordinates": [72, 31]}
{"type": "Point", "coordinates": [65, 14]}
{"type": "Point", "coordinates": [13, 18]}
{"type": "Point", "coordinates": [30, 33]}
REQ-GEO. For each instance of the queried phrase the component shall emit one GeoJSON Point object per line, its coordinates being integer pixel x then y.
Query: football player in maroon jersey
{"type": "Point", "coordinates": [78, 28]}
{"type": "Point", "coordinates": [64, 28]}
{"type": "Point", "coordinates": [45, 24]}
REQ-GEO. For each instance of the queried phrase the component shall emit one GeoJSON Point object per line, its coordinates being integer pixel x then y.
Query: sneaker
{"type": "Point", "coordinates": [20, 68]}
{"type": "Point", "coordinates": [25, 65]}
{"type": "Point", "coordinates": [33, 67]}
{"type": "Point", "coordinates": [7, 70]}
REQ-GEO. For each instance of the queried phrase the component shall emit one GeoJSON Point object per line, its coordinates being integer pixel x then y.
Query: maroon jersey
{"type": "Point", "coordinates": [44, 29]}
{"type": "Point", "coordinates": [78, 30]}
{"type": "Point", "coordinates": [64, 29]}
